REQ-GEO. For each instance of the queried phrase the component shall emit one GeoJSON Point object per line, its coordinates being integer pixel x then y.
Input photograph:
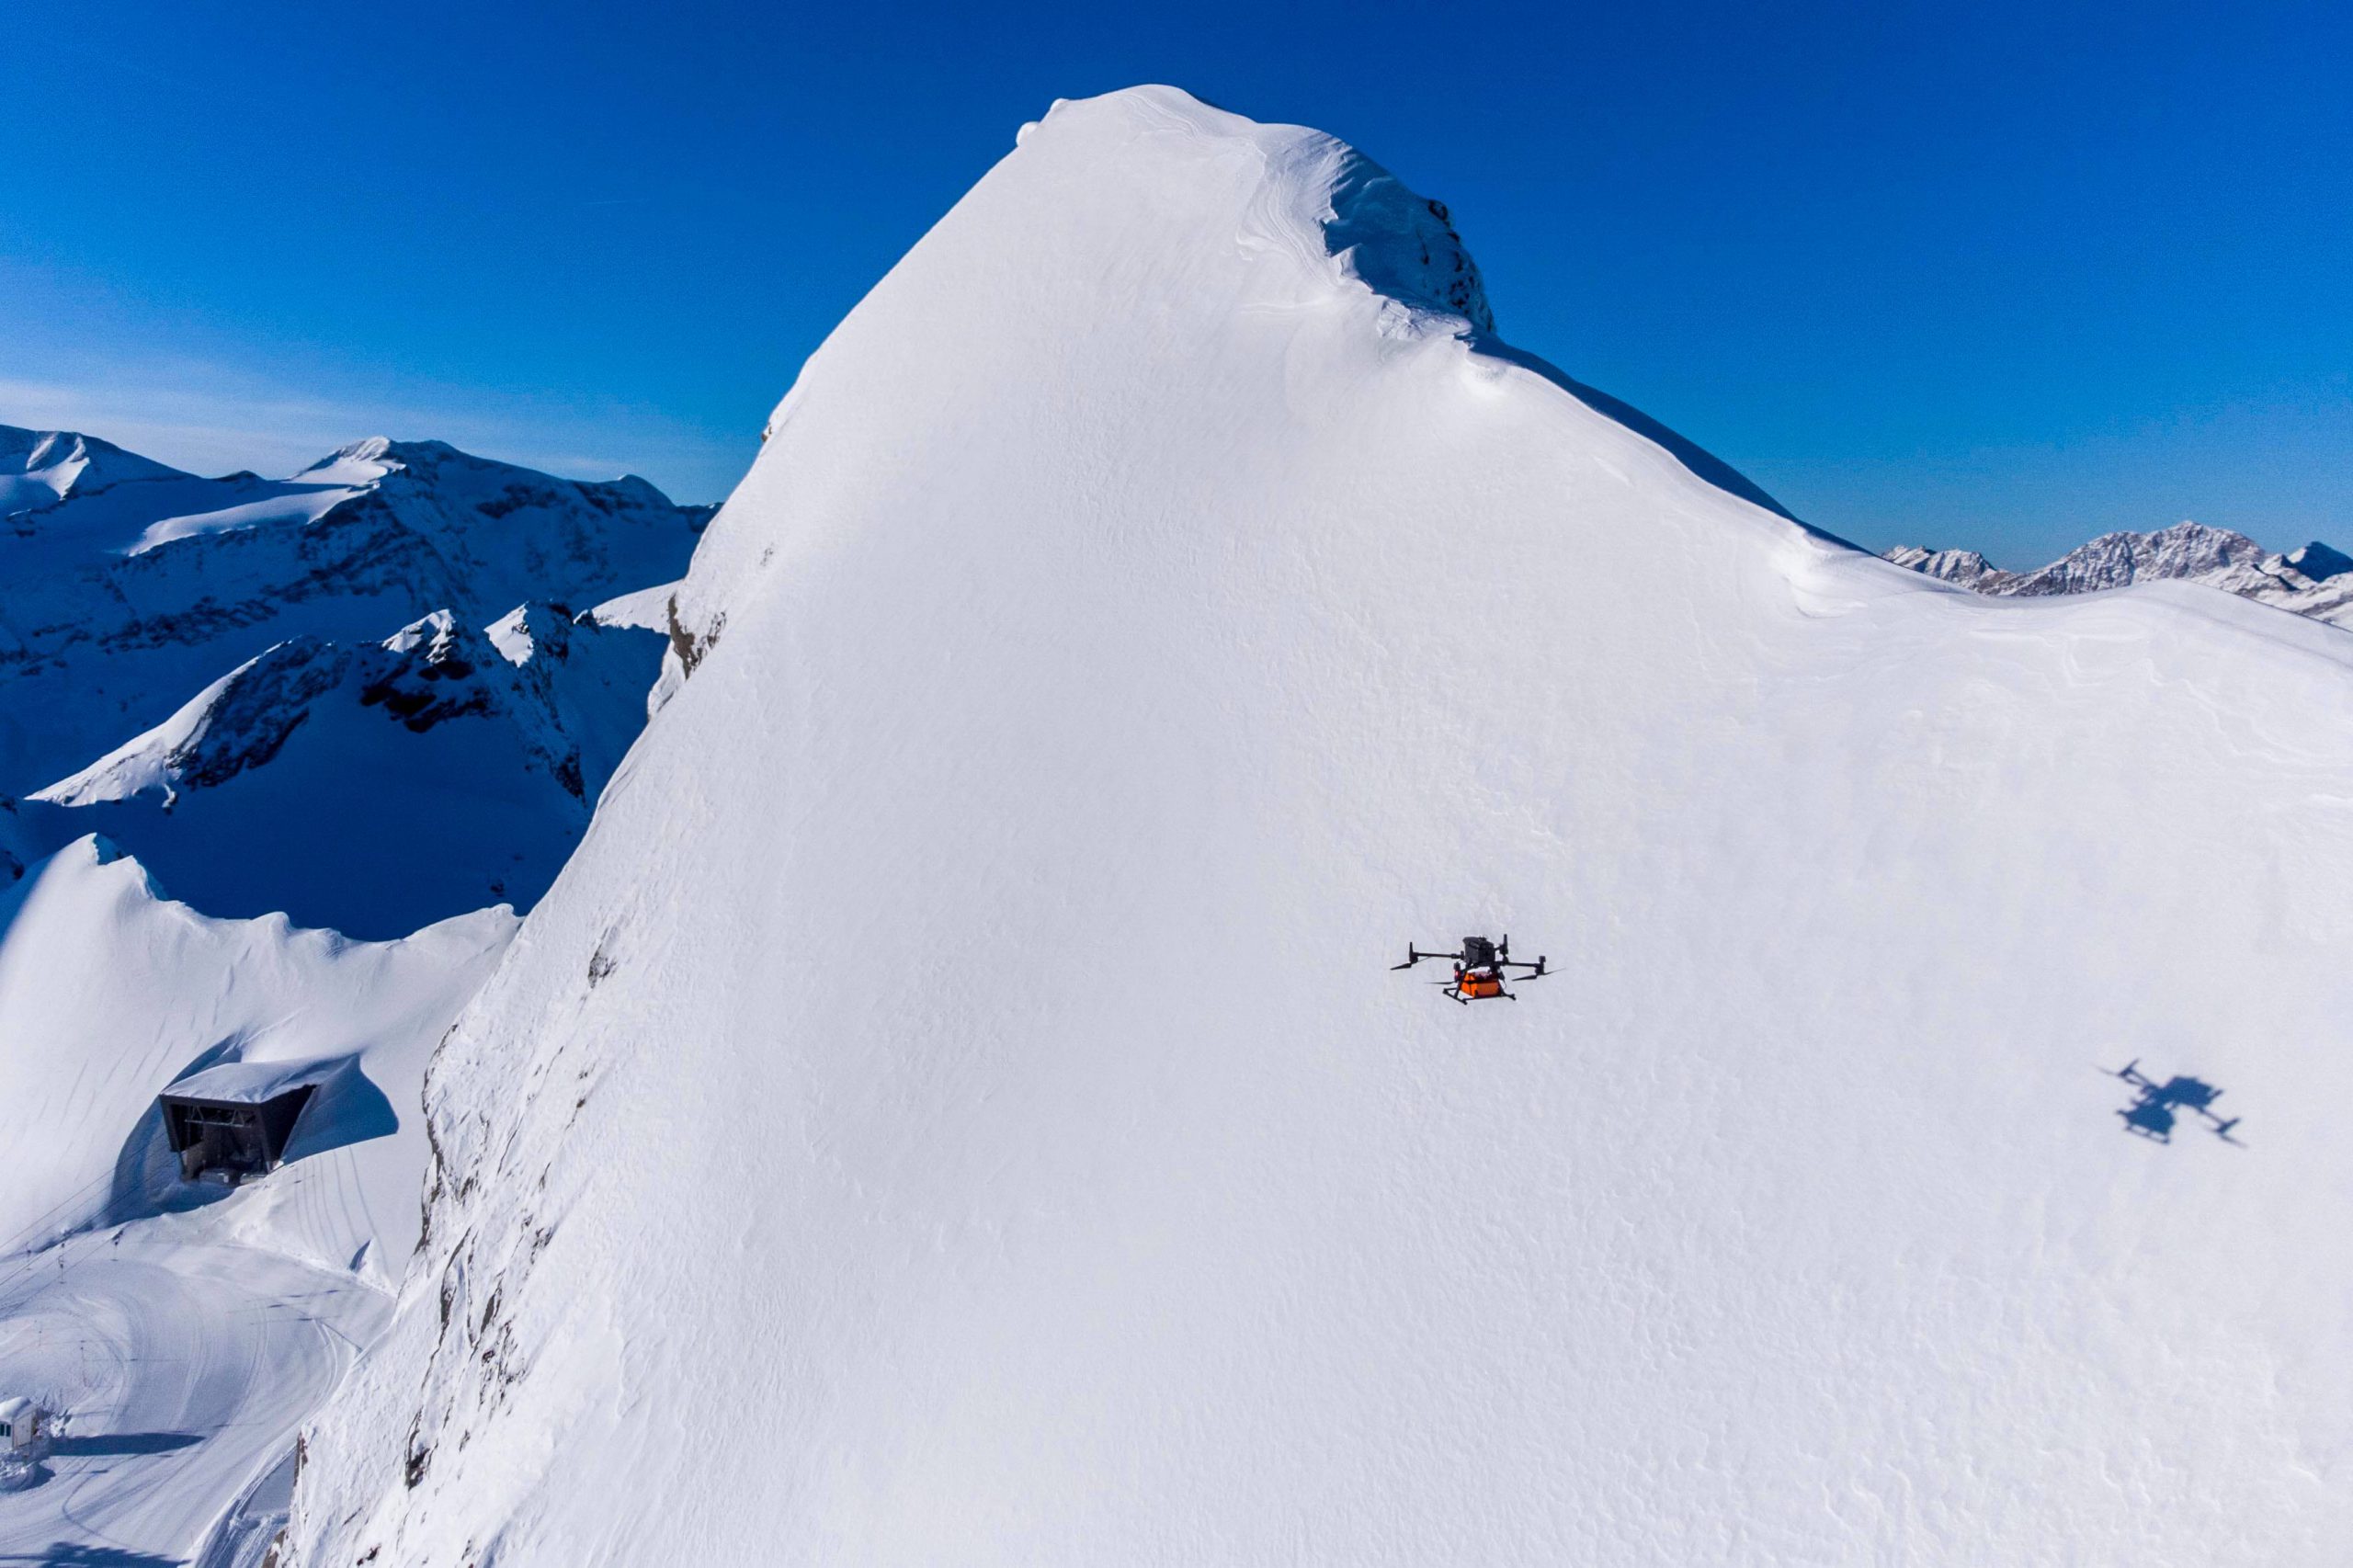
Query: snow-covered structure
{"type": "Point", "coordinates": [23, 1424]}
{"type": "Point", "coordinates": [232, 1121]}
{"type": "Point", "coordinates": [1105, 590]}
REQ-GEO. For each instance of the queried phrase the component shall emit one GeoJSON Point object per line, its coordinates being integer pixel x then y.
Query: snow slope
{"type": "Point", "coordinates": [2314, 579]}
{"type": "Point", "coordinates": [954, 1109]}
{"type": "Point", "coordinates": [187, 1365]}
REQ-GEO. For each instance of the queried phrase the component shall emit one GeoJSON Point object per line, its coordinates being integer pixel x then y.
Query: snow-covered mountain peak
{"type": "Point", "coordinates": [527, 630]}
{"type": "Point", "coordinates": [1213, 218]}
{"type": "Point", "coordinates": [2184, 549]}
{"type": "Point", "coordinates": [435, 629]}
{"type": "Point", "coordinates": [41, 468]}
{"type": "Point", "coordinates": [360, 462]}
{"type": "Point", "coordinates": [956, 1106]}
{"type": "Point", "coordinates": [1317, 192]}
{"type": "Point", "coordinates": [2320, 562]}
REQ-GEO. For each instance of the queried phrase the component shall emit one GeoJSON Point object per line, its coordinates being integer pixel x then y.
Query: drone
{"type": "Point", "coordinates": [1478, 969]}
{"type": "Point", "coordinates": [2151, 1115]}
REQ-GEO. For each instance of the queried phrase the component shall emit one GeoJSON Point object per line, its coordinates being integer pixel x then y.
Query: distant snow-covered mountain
{"type": "Point", "coordinates": [374, 787]}
{"type": "Point", "coordinates": [371, 696]}
{"type": "Point", "coordinates": [134, 584]}
{"type": "Point", "coordinates": [41, 468]}
{"type": "Point", "coordinates": [2314, 579]}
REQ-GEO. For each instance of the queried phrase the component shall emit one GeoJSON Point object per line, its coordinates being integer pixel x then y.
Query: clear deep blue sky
{"type": "Point", "coordinates": [2004, 275]}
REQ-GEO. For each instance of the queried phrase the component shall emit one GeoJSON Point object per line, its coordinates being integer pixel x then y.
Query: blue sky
{"type": "Point", "coordinates": [2005, 274]}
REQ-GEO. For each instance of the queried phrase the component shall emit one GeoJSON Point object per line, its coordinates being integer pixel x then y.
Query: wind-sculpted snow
{"type": "Point", "coordinates": [955, 1106]}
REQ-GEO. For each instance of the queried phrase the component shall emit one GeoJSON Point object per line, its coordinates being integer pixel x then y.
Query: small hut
{"type": "Point", "coordinates": [23, 1424]}
{"type": "Point", "coordinates": [231, 1122]}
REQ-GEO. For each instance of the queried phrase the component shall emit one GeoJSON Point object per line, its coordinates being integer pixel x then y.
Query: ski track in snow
{"type": "Point", "coordinates": [183, 1365]}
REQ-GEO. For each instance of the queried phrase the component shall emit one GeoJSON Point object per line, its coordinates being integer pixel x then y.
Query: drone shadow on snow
{"type": "Point", "coordinates": [2161, 1108]}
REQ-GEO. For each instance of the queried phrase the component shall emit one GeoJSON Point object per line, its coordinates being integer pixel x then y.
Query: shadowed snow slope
{"type": "Point", "coordinates": [376, 788]}
{"type": "Point", "coordinates": [955, 1108]}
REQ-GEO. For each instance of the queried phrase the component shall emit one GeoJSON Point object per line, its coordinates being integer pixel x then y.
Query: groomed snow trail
{"type": "Point", "coordinates": [955, 1108]}
{"type": "Point", "coordinates": [185, 1371]}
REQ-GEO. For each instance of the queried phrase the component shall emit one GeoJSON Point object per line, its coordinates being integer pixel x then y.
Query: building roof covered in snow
{"type": "Point", "coordinates": [252, 1082]}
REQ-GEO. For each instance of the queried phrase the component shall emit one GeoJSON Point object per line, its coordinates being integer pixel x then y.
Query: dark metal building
{"type": "Point", "coordinates": [231, 1123]}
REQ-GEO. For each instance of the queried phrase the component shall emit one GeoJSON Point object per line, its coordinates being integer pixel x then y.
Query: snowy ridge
{"type": "Point", "coordinates": [955, 1108]}
{"type": "Point", "coordinates": [2302, 581]}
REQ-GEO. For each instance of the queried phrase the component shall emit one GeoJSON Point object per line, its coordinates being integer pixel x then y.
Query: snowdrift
{"type": "Point", "coordinates": [954, 1109]}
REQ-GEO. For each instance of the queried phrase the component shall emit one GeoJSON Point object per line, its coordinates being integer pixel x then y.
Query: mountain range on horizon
{"type": "Point", "coordinates": [2310, 580]}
